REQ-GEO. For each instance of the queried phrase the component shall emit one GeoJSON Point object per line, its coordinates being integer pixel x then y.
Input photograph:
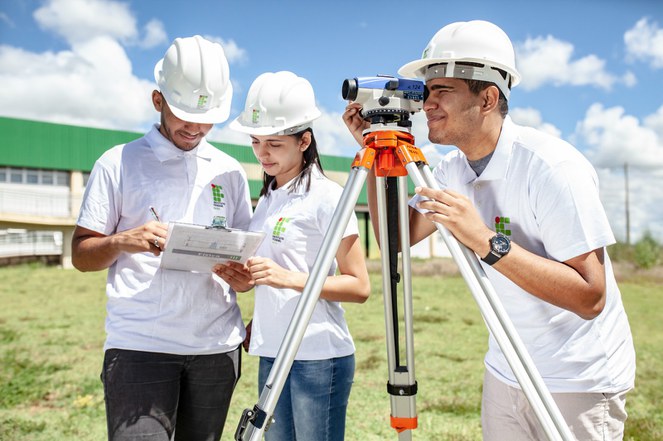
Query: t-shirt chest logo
{"type": "Point", "coordinates": [502, 225]}
{"type": "Point", "coordinates": [218, 198]}
{"type": "Point", "coordinates": [279, 229]}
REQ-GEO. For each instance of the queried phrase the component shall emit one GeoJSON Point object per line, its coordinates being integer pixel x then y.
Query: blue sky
{"type": "Point", "coordinates": [591, 69]}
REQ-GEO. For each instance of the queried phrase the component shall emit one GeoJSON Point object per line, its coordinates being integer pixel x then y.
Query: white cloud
{"type": "Point", "coordinates": [155, 34]}
{"type": "Point", "coordinates": [629, 79]}
{"type": "Point", "coordinates": [644, 42]}
{"type": "Point", "coordinates": [610, 138]}
{"type": "Point", "coordinates": [655, 122]}
{"type": "Point", "coordinates": [645, 207]}
{"type": "Point", "coordinates": [614, 138]}
{"type": "Point", "coordinates": [92, 84]}
{"type": "Point", "coordinates": [80, 20]}
{"type": "Point", "coordinates": [333, 136]}
{"type": "Point", "coordinates": [549, 61]}
{"type": "Point", "coordinates": [532, 118]}
{"type": "Point", "coordinates": [234, 53]}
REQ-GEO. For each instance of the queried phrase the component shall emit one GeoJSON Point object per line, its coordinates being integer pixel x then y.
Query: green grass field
{"type": "Point", "coordinates": [52, 332]}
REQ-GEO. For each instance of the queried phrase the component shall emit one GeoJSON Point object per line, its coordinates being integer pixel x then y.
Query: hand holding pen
{"type": "Point", "coordinates": [157, 238]}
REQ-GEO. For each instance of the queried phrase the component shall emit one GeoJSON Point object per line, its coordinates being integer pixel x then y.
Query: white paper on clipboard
{"type": "Point", "coordinates": [191, 247]}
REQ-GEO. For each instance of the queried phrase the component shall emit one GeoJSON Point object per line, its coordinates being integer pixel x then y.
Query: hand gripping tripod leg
{"type": "Point", "coordinates": [382, 147]}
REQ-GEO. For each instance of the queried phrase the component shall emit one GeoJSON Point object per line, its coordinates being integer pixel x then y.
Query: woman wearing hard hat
{"type": "Point", "coordinates": [295, 209]}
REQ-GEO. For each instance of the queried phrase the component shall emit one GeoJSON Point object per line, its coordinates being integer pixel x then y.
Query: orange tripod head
{"type": "Point", "coordinates": [389, 151]}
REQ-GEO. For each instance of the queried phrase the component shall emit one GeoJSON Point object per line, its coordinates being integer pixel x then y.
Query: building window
{"type": "Point", "coordinates": [34, 176]}
{"type": "Point", "coordinates": [61, 178]}
{"type": "Point", "coordinates": [16, 176]}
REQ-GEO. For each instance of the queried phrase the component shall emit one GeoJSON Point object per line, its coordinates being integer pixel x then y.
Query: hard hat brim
{"type": "Point", "coordinates": [416, 68]}
{"type": "Point", "coordinates": [217, 115]}
{"type": "Point", "coordinates": [249, 130]}
{"type": "Point", "coordinates": [238, 126]}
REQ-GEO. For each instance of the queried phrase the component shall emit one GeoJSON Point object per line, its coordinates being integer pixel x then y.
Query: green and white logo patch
{"type": "Point", "coordinates": [218, 196]}
{"type": "Point", "coordinates": [279, 229]}
{"type": "Point", "coordinates": [502, 225]}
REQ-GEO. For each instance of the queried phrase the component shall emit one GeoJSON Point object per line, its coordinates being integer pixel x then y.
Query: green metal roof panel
{"type": "Point", "coordinates": [240, 152]}
{"type": "Point", "coordinates": [42, 145]}
{"type": "Point", "coordinates": [37, 144]}
{"type": "Point", "coordinates": [34, 144]}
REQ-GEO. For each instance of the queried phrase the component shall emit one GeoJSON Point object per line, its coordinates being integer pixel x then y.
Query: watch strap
{"type": "Point", "coordinates": [491, 258]}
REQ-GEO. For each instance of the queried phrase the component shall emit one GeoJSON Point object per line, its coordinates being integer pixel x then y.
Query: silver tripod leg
{"type": "Point", "coordinates": [402, 386]}
{"type": "Point", "coordinates": [255, 421]}
{"type": "Point", "coordinates": [499, 324]}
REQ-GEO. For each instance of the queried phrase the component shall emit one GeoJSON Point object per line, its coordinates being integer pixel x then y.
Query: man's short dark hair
{"type": "Point", "coordinates": [477, 86]}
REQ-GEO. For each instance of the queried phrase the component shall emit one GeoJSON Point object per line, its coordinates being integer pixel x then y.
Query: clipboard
{"type": "Point", "coordinates": [191, 247]}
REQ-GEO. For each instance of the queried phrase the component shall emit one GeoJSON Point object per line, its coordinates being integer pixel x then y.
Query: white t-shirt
{"type": "Point", "coordinates": [542, 193]}
{"type": "Point", "coordinates": [149, 308]}
{"type": "Point", "coordinates": [295, 224]}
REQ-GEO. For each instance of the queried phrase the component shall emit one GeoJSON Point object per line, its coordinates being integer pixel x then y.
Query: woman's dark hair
{"type": "Point", "coordinates": [311, 158]}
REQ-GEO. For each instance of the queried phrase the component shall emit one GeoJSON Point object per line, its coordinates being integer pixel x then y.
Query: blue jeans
{"type": "Point", "coordinates": [151, 396]}
{"type": "Point", "coordinates": [314, 399]}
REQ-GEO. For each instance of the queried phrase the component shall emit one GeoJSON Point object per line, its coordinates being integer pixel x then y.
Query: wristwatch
{"type": "Point", "coordinates": [500, 245]}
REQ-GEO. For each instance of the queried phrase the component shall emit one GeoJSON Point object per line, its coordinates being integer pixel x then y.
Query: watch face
{"type": "Point", "coordinates": [501, 244]}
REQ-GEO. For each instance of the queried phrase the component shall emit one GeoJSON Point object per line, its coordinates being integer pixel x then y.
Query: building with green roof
{"type": "Point", "coordinates": [44, 168]}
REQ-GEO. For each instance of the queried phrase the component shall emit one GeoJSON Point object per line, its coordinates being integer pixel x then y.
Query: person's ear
{"type": "Point", "coordinates": [490, 97]}
{"type": "Point", "coordinates": [157, 100]}
{"type": "Point", "coordinates": [305, 141]}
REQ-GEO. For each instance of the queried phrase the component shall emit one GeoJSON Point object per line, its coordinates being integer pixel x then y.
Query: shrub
{"type": "Point", "coordinates": [621, 252]}
{"type": "Point", "coordinates": [647, 252]}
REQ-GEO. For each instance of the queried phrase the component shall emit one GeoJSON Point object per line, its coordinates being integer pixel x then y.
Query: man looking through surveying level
{"type": "Point", "coordinates": [527, 204]}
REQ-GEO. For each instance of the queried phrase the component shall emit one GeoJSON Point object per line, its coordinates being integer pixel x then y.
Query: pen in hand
{"type": "Point", "coordinates": [154, 214]}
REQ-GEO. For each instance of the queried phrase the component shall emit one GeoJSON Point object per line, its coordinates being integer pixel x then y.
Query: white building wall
{"type": "Point", "coordinates": [35, 200]}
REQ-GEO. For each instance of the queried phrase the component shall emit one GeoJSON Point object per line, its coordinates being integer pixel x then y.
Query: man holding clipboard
{"type": "Point", "coordinates": [171, 353]}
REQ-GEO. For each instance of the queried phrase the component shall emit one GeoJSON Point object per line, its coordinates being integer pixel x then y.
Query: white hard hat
{"type": "Point", "coordinates": [278, 103]}
{"type": "Point", "coordinates": [476, 41]}
{"type": "Point", "coordinates": [194, 78]}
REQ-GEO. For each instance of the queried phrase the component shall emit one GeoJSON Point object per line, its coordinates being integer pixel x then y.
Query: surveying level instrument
{"type": "Point", "coordinates": [389, 150]}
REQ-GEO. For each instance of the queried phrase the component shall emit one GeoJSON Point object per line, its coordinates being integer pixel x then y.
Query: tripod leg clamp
{"type": "Point", "coordinates": [404, 399]}
{"type": "Point", "coordinates": [403, 424]}
{"type": "Point", "coordinates": [256, 417]}
{"type": "Point", "coordinates": [402, 391]}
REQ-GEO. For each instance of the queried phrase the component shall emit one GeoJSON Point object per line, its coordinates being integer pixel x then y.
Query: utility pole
{"type": "Point", "coordinates": [626, 205]}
